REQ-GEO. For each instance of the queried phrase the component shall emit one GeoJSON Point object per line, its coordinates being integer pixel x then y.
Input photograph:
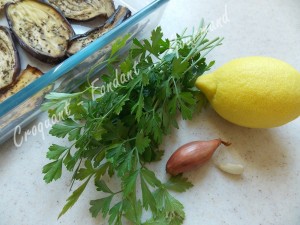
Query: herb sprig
{"type": "Point", "coordinates": [117, 133]}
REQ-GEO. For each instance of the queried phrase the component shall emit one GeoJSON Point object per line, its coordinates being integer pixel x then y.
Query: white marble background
{"type": "Point", "coordinates": [268, 193]}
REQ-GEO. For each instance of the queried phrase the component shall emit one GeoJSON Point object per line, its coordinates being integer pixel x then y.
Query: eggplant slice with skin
{"type": "Point", "coordinates": [26, 77]}
{"type": "Point", "coordinates": [40, 29]}
{"type": "Point", "coordinates": [3, 2]}
{"type": "Point", "coordinates": [84, 10]}
{"type": "Point", "coordinates": [78, 42]}
{"type": "Point", "coordinates": [9, 59]}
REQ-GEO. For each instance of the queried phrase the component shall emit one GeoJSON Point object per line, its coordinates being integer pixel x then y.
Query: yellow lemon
{"type": "Point", "coordinates": [256, 92]}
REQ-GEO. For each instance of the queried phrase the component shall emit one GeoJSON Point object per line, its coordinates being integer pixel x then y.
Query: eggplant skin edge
{"type": "Point", "coordinates": [17, 67]}
{"type": "Point", "coordinates": [42, 57]}
{"type": "Point", "coordinates": [71, 18]}
{"type": "Point", "coordinates": [3, 2]}
{"type": "Point", "coordinates": [21, 112]}
{"type": "Point", "coordinates": [20, 83]}
{"type": "Point", "coordinates": [109, 24]}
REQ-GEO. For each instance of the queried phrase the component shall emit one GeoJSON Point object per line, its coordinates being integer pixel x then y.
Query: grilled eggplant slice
{"type": "Point", "coordinates": [9, 59]}
{"type": "Point", "coordinates": [22, 111]}
{"type": "Point", "coordinates": [84, 10]}
{"type": "Point", "coordinates": [40, 29]}
{"type": "Point", "coordinates": [80, 41]}
{"type": "Point", "coordinates": [3, 2]}
{"type": "Point", "coordinates": [26, 77]}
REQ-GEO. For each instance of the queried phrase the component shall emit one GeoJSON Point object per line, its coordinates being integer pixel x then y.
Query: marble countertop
{"type": "Point", "coordinates": [267, 193]}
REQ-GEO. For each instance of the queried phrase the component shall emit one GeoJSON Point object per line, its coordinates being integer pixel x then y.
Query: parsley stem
{"type": "Point", "coordinates": [198, 42]}
{"type": "Point", "coordinates": [128, 140]}
{"type": "Point", "coordinates": [138, 157]}
{"type": "Point", "coordinates": [74, 174]}
{"type": "Point", "coordinates": [173, 41]}
{"type": "Point", "coordinates": [218, 40]}
{"type": "Point", "coordinates": [208, 44]}
{"type": "Point", "coordinates": [175, 86]}
{"type": "Point", "coordinates": [118, 192]}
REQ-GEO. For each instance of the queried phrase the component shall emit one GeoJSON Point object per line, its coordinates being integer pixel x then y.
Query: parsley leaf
{"type": "Point", "coordinates": [141, 142]}
{"type": "Point", "coordinates": [129, 183]}
{"type": "Point", "coordinates": [148, 198]}
{"type": "Point", "coordinates": [100, 205]}
{"type": "Point", "coordinates": [150, 177]}
{"type": "Point", "coordinates": [102, 186]}
{"type": "Point", "coordinates": [52, 170]}
{"type": "Point", "coordinates": [66, 127]}
{"type": "Point", "coordinates": [73, 198]}
{"type": "Point", "coordinates": [178, 184]}
{"type": "Point", "coordinates": [55, 151]}
{"type": "Point", "coordinates": [85, 172]}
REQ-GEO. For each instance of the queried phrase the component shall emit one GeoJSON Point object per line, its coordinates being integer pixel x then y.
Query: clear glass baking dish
{"type": "Point", "coordinates": [21, 108]}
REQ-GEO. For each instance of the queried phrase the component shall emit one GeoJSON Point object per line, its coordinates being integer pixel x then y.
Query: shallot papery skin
{"type": "Point", "coordinates": [192, 155]}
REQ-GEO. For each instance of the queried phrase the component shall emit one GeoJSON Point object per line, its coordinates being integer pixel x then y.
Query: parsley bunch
{"type": "Point", "coordinates": [117, 133]}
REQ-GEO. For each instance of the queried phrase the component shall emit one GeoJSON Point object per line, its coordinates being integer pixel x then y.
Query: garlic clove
{"type": "Point", "coordinates": [234, 169]}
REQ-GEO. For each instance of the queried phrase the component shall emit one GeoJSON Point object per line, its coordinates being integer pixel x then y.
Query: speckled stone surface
{"type": "Point", "coordinates": [267, 193]}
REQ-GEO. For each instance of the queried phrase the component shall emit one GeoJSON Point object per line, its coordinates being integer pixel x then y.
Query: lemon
{"type": "Point", "coordinates": [255, 92]}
